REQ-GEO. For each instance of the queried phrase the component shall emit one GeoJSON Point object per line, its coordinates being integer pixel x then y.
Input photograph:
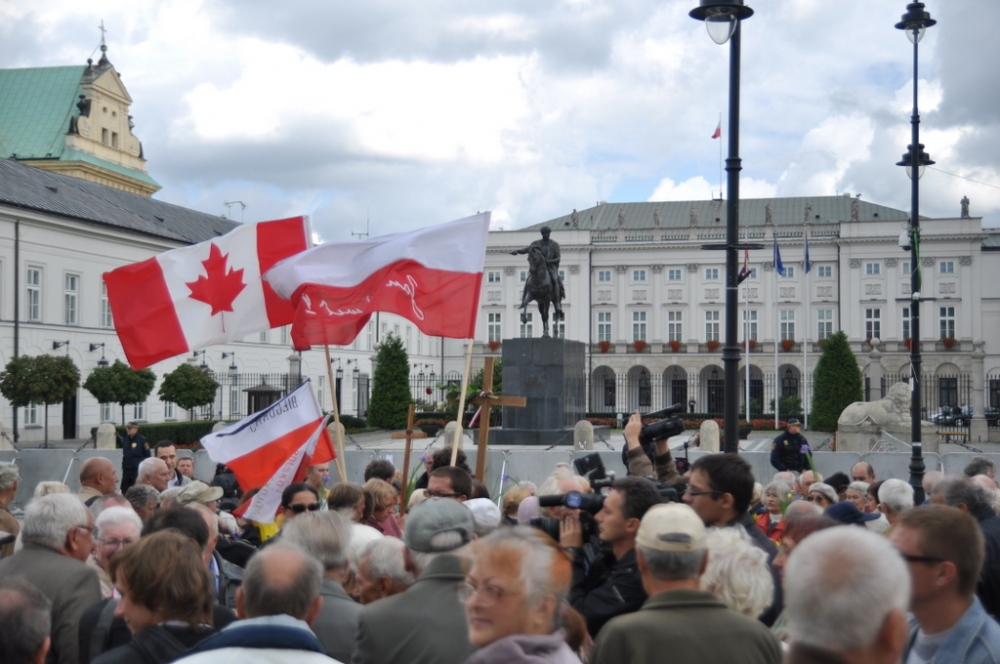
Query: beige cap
{"type": "Point", "coordinates": [671, 527]}
{"type": "Point", "coordinates": [199, 492]}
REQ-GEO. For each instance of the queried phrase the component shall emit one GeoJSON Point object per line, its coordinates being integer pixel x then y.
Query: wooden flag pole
{"type": "Point", "coordinates": [409, 436]}
{"type": "Point", "coordinates": [338, 439]}
{"type": "Point", "coordinates": [461, 402]}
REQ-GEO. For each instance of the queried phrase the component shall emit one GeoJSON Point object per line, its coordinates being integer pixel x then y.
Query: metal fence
{"type": "Point", "coordinates": [240, 394]}
{"type": "Point", "coordinates": [937, 390]}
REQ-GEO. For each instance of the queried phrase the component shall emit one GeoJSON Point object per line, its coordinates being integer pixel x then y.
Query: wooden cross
{"type": "Point", "coordinates": [409, 435]}
{"type": "Point", "coordinates": [486, 403]}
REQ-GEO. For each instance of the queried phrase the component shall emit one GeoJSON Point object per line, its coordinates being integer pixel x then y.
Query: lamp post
{"type": "Point", "coordinates": [723, 19]}
{"type": "Point", "coordinates": [914, 22]}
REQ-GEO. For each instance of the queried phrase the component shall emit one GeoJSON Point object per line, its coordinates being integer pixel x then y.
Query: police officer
{"type": "Point", "coordinates": [790, 450]}
{"type": "Point", "coordinates": [135, 448]}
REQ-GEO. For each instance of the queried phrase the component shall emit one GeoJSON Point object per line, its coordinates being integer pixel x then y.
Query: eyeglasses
{"type": "Point", "coordinates": [440, 494]}
{"type": "Point", "coordinates": [300, 508]}
{"type": "Point", "coordinates": [703, 493]}
{"type": "Point", "coordinates": [115, 543]}
{"type": "Point", "coordinates": [488, 595]}
{"type": "Point", "coordinates": [927, 560]}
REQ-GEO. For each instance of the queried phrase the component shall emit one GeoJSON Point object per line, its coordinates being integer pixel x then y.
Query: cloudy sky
{"type": "Point", "coordinates": [416, 113]}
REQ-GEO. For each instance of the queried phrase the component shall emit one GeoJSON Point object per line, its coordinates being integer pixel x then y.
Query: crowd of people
{"type": "Point", "coordinates": [701, 566]}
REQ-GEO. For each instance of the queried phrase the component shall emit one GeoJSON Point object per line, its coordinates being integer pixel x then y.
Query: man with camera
{"type": "Point", "coordinates": [610, 585]}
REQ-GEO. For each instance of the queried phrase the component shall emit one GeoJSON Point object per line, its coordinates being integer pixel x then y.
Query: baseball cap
{"type": "Point", "coordinates": [199, 492]}
{"type": "Point", "coordinates": [671, 527]}
{"type": "Point", "coordinates": [436, 516]}
{"type": "Point", "coordinates": [792, 421]}
{"type": "Point", "coordinates": [847, 512]}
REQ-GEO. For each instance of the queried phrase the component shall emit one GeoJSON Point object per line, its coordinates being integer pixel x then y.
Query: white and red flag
{"type": "Point", "coordinates": [718, 130]}
{"type": "Point", "coordinates": [205, 294]}
{"type": "Point", "coordinates": [431, 276]}
{"type": "Point", "coordinates": [271, 449]}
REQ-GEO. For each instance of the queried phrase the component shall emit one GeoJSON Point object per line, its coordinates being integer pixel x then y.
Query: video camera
{"type": "Point", "coordinates": [666, 427]}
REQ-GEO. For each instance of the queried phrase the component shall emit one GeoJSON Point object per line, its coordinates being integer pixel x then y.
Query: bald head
{"type": "Point", "coordinates": [99, 474]}
{"type": "Point", "coordinates": [863, 472]}
{"type": "Point", "coordinates": [281, 580]}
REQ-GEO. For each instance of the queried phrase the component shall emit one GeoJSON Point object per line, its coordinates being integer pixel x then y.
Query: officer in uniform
{"type": "Point", "coordinates": [135, 448]}
{"type": "Point", "coordinates": [790, 450]}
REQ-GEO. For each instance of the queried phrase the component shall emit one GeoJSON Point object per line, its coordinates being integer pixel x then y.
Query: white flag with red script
{"type": "Point", "coordinates": [431, 276]}
{"type": "Point", "coordinates": [205, 294]}
{"type": "Point", "coordinates": [271, 449]}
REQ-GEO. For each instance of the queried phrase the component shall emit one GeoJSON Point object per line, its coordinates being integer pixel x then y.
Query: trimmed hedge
{"type": "Point", "coordinates": [184, 434]}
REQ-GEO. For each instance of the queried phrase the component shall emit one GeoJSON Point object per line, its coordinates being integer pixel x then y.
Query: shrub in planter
{"type": "Point", "coordinates": [639, 345]}
{"type": "Point", "coordinates": [604, 346]}
{"type": "Point", "coordinates": [494, 345]}
{"type": "Point", "coordinates": [712, 345]}
{"type": "Point", "coordinates": [949, 342]}
{"type": "Point", "coordinates": [787, 345]}
{"type": "Point", "coordinates": [675, 345]}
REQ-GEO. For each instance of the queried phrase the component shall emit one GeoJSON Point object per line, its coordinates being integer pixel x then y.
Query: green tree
{"type": "Point", "coordinates": [120, 384]}
{"type": "Point", "coordinates": [836, 383]}
{"type": "Point", "coordinates": [391, 389]}
{"type": "Point", "coordinates": [189, 387]}
{"type": "Point", "coordinates": [44, 379]}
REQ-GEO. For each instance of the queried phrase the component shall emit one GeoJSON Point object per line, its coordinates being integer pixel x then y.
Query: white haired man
{"type": "Point", "coordinates": [828, 578]}
{"type": "Point", "coordinates": [943, 548]}
{"type": "Point", "coordinates": [426, 624]}
{"type": "Point", "coordinates": [58, 537]}
{"type": "Point", "coordinates": [325, 537]}
{"type": "Point", "coordinates": [26, 618]}
{"type": "Point", "coordinates": [155, 473]}
{"type": "Point", "coordinates": [680, 621]}
{"type": "Point", "coordinates": [894, 497]}
{"type": "Point", "coordinates": [382, 570]}
{"type": "Point", "coordinates": [9, 528]}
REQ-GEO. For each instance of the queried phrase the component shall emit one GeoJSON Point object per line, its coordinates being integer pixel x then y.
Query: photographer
{"type": "Point", "coordinates": [612, 585]}
{"type": "Point", "coordinates": [640, 462]}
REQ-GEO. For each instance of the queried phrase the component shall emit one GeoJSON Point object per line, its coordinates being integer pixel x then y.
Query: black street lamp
{"type": "Point", "coordinates": [723, 19]}
{"type": "Point", "coordinates": [914, 22]}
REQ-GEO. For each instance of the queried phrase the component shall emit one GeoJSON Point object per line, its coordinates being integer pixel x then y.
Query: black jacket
{"type": "Point", "coordinates": [988, 589]}
{"type": "Point", "coordinates": [158, 644]}
{"type": "Point", "coordinates": [134, 450]}
{"type": "Point", "coordinates": [788, 453]}
{"type": "Point", "coordinates": [610, 588]}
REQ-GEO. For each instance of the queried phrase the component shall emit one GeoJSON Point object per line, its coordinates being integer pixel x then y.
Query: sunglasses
{"type": "Point", "coordinates": [299, 509]}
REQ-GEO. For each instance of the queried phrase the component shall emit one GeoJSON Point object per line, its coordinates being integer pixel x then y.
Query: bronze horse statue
{"type": "Point", "coordinates": [540, 288]}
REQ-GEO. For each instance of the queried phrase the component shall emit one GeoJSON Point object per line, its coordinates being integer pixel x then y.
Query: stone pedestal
{"type": "Point", "coordinates": [106, 439]}
{"type": "Point", "coordinates": [551, 374]}
{"type": "Point", "coordinates": [862, 438]}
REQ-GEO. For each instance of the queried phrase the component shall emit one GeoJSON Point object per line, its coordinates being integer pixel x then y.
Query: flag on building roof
{"type": "Point", "coordinates": [273, 448]}
{"type": "Point", "coordinates": [778, 265]}
{"type": "Point", "coordinates": [808, 262]}
{"type": "Point", "coordinates": [430, 276]}
{"type": "Point", "coordinates": [208, 293]}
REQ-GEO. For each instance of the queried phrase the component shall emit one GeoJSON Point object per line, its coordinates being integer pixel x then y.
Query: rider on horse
{"type": "Point", "coordinates": [550, 250]}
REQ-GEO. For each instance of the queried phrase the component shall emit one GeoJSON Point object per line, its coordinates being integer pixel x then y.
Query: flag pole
{"type": "Point", "coordinates": [746, 324]}
{"type": "Point", "coordinates": [777, 340]}
{"type": "Point", "coordinates": [461, 402]}
{"type": "Point", "coordinates": [338, 438]}
{"type": "Point", "coordinates": [805, 340]}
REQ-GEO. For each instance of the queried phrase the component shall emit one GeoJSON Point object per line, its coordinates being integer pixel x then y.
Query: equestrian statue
{"type": "Point", "coordinates": [543, 284]}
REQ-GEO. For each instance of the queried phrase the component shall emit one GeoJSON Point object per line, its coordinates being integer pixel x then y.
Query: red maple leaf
{"type": "Point", "coordinates": [220, 287]}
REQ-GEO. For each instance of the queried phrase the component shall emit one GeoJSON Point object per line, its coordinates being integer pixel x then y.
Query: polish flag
{"type": "Point", "coordinates": [718, 130]}
{"type": "Point", "coordinates": [205, 294]}
{"type": "Point", "coordinates": [431, 276]}
{"type": "Point", "coordinates": [271, 449]}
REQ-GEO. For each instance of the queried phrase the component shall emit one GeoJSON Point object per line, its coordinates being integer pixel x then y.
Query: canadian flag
{"type": "Point", "coordinates": [431, 276]}
{"type": "Point", "coordinates": [271, 449]}
{"type": "Point", "coordinates": [205, 294]}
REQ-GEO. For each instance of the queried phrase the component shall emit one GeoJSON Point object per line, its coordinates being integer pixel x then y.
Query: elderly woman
{"type": "Point", "coordinates": [822, 494]}
{"type": "Point", "coordinates": [513, 597]}
{"type": "Point", "coordinates": [737, 571]}
{"type": "Point", "coordinates": [772, 522]}
{"type": "Point", "coordinates": [857, 493]}
{"type": "Point", "coordinates": [167, 598]}
{"type": "Point", "coordinates": [512, 500]}
{"type": "Point", "coordinates": [143, 499]}
{"type": "Point", "coordinates": [385, 502]}
{"type": "Point", "coordinates": [114, 529]}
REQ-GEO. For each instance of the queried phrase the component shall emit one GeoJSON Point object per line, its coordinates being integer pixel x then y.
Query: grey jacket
{"type": "Point", "coordinates": [408, 628]}
{"type": "Point", "coordinates": [336, 627]}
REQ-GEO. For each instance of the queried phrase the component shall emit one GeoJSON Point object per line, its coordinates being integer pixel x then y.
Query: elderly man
{"type": "Point", "coordinates": [154, 473]}
{"type": "Point", "coordinates": [114, 529]}
{"type": "Point", "coordinates": [943, 548]}
{"type": "Point", "coordinates": [9, 528]}
{"type": "Point", "coordinates": [807, 479]}
{"type": "Point", "coordinates": [143, 498]}
{"type": "Point", "coordinates": [25, 622]}
{"type": "Point", "coordinates": [680, 622]}
{"type": "Point", "coordinates": [382, 570]}
{"type": "Point", "coordinates": [277, 604]}
{"type": "Point", "coordinates": [791, 478]}
{"type": "Point", "coordinates": [392, 630]}
{"type": "Point", "coordinates": [97, 478]}
{"type": "Point", "coordinates": [324, 536]}
{"type": "Point", "coordinates": [226, 576]}
{"type": "Point", "coordinates": [894, 497]}
{"type": "Point", "coordinates": [826, 576]}
{"type": "Point", "coordinates": [962, 493]}
{"type": "Point", "coordinates": [862, 472]}
{"type": "Point", "coordinates": [980, 465]}
{"type": "Point", "coordinates": [166, 452]}
{"type": "Point", "coordinates": [58, 538]}
{"type": "Point", "coordinates": [135, 448]}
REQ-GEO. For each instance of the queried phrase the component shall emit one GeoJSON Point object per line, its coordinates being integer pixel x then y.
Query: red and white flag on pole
{"type": "Point", "coordinates": [431, 276]}
{"type": "Point", "coordinates": [205, 294]}
{"type": "Point", "coordinates": [271, 449]}
{"type": "Point", "coordinates": [718, 130]}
